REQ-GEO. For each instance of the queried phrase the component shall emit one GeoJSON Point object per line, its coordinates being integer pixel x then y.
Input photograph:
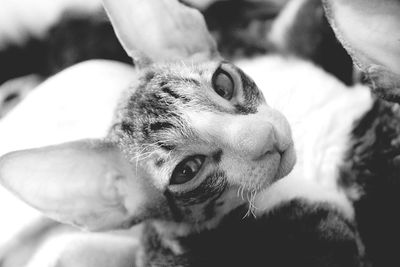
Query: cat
{"type": "Point", "coordinates": [184, 156]}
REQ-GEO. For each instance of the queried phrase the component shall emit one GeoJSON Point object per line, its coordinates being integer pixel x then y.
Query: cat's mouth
{"type": "Point", "coordinates": [287, 162]}
{"type": "Point", "coordinates": [259, 173]}
{"type": "Point", "coordinates": [284, 162]}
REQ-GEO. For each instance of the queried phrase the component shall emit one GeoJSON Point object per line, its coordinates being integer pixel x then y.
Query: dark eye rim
{"type": "Point", "coordinates": [182, 163]}
{"type": "Point", "coordinates": [221, 70]}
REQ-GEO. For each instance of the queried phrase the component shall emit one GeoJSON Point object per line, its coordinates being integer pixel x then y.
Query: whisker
{"type": "Point", "coordinates": [242, 192]}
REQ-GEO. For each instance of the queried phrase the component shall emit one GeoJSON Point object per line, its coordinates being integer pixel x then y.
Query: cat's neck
{"type": "Point", "coordinates": [237, 241]}
{"type": "Point", "coordinates": [176, 231]}
{"type": "Point", "coordinates": [180, 244]}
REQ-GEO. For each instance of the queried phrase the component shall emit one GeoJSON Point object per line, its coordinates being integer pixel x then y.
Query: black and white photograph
{"type": "Point", "coordinates": [199, 133]}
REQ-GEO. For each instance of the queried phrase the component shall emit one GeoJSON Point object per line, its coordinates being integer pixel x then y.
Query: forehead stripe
{"type": "Point", "coordinates": [250, 90]}
{"type": "Point", "coordinates": [160, 125]}
{"type": "Point", "coordinates": [168, 91]}
{"type": "Point", "coordinates": [166, 147]}
{"type": "Point", "coordinates": [191, 80]}
{"type": "Point", "coordinates": [127, 127]}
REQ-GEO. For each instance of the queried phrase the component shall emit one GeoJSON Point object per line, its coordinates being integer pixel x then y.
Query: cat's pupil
{"type": "Point", "coordinates": [187, 169]}
{"type": "Point", "coordinates": [221, 92]}
{"type": "Point", "coordinates": [191, 166]}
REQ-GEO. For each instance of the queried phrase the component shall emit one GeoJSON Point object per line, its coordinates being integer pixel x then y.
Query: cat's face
{"type": "Point", "coordinates": [205, 135]}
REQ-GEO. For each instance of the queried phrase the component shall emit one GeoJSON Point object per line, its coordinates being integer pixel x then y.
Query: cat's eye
{"type": "Point", "coordinates": [187, 169]}
{"type": "Point", "coordinates": [223, 84]}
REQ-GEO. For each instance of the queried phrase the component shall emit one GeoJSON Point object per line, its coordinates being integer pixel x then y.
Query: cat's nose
{"type": "Point", "coordinates": [256, 135]}
{"type": "Point", "coordinates": [256, 140]}
{"type": "Point", "coordinates": [266, 143]}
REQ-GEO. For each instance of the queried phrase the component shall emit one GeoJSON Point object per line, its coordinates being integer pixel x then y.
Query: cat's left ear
{"type": "Point", "coordinates": [85, 183]}
{"type": "Point", "coordinates": [160, 30]}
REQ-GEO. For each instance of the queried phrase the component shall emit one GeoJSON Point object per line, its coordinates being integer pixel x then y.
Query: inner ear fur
{"type": "Point", "coordinates": [86, 183]}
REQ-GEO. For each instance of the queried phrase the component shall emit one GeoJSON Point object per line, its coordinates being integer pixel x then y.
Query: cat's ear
{"type": "Point", "coordinates": [160, 30]}
{"type": "Point", "coordinates": [85, 183]}
{"type": "Point", "coordinates": [370, 31]}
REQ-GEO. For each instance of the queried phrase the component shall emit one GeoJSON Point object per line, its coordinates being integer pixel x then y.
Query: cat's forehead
{"type": "Point", "coordinates": [189, 85]}
{"type": "Point", "coordinates": [155, 101]}
{"type": "Point", "coordinates": [182, 81]}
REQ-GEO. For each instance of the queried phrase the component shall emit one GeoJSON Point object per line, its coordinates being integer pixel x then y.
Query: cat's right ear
{"type": "Point", "coordinates": [160, 30]}
{"type": "Point", "coordinates": [86, 183]}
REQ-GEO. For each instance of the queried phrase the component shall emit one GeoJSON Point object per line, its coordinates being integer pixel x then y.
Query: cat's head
{"type": "Point", "coordinates": [204, 133]}
{"type": "Point", "coordinates": [193, 139]}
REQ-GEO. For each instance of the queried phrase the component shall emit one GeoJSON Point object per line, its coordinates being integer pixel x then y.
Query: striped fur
{"type": "Point", "coordinates": [306, 219]}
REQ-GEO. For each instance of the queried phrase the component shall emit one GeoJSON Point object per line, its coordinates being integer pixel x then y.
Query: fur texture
{"type": "Point", "coordinates": [312, 217]}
